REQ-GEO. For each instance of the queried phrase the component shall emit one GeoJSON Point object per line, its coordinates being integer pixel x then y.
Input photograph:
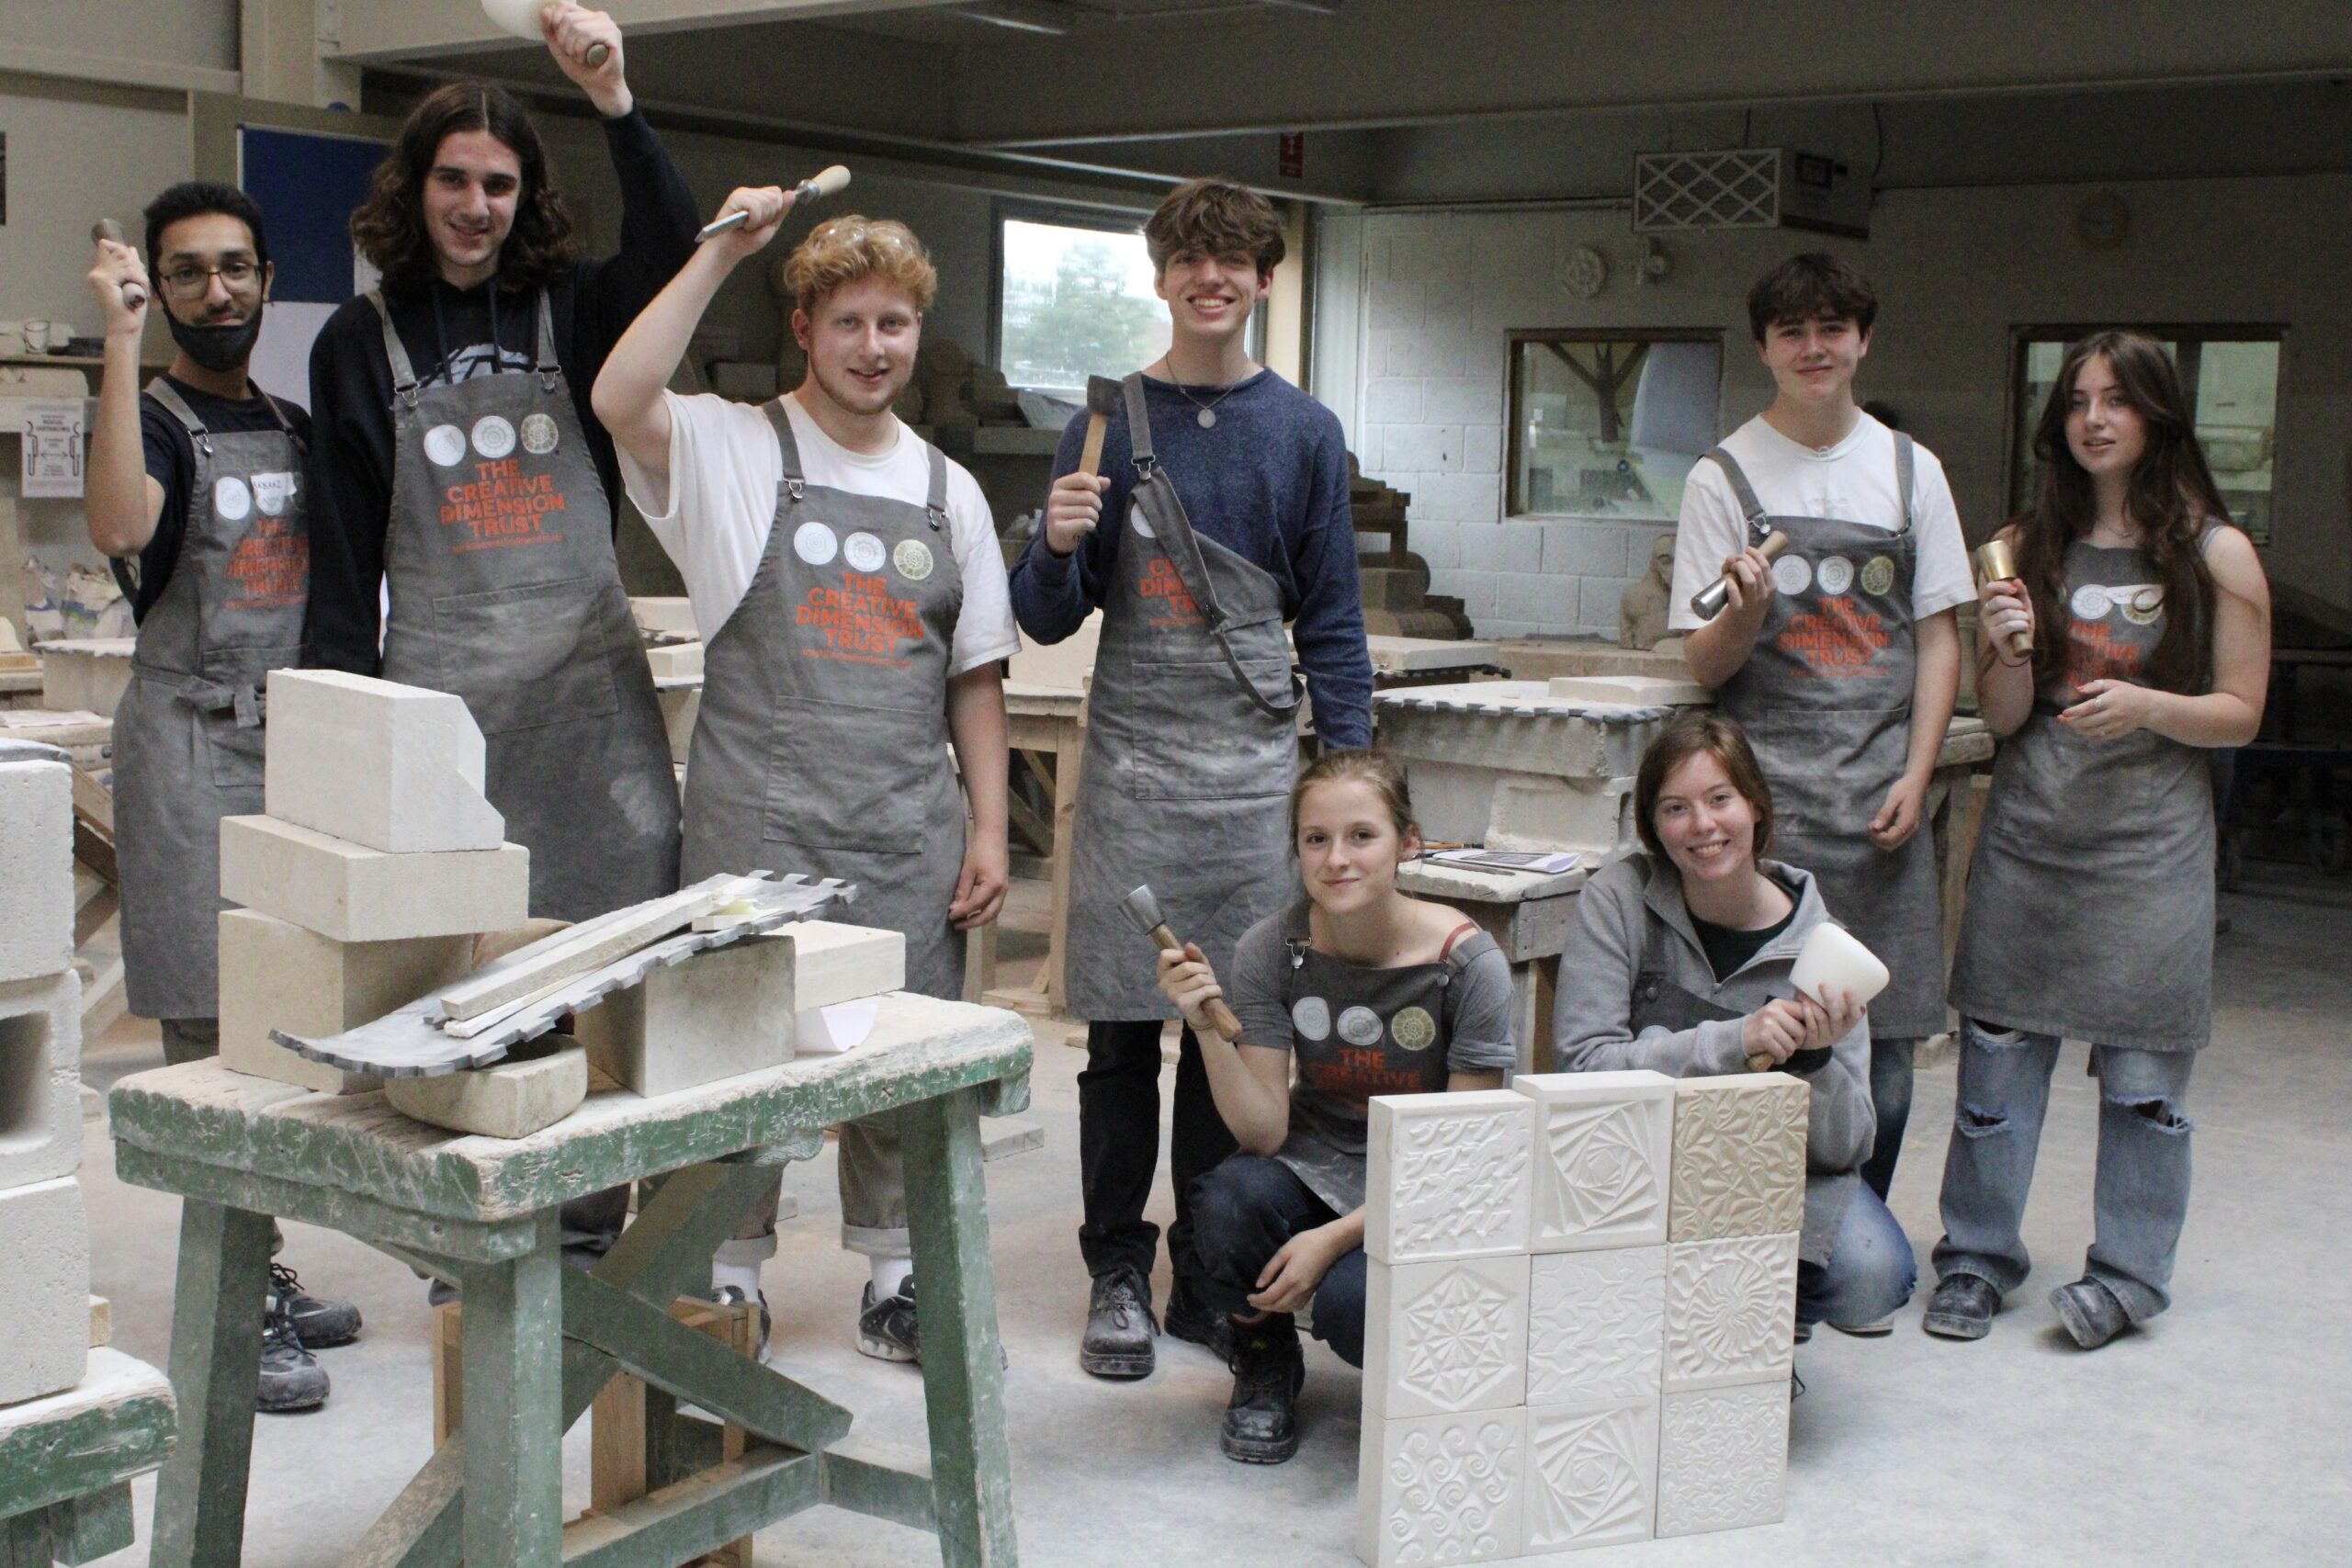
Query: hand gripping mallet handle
{"type": "Point", "coordinates": [1998, 565]}
{"type": "Point", "coordinates": [108, 229]}
{"type": "Point", "coordinates": [825, 182]}
{"type": "Point", "coordinates": [1142, 910]}
{"type": "Point", "coordinates": [1101, 402]}
{"type": "Point", "coordinates": [1708, 601]}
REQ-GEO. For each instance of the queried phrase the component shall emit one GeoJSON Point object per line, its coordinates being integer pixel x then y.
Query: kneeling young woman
{"type": "Point", "coordinates": [1681, 963]}
{"type": "Point", "coordinates": [1372, 991]}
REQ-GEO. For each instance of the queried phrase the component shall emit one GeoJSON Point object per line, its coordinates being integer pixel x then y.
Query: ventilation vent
{"type": "Point", "coordinates": [1748, 187]}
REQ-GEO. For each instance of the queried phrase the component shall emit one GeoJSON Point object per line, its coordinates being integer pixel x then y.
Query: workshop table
{"type": "Point", "coordinates": [1529, 913]}
{"type": "Point", "coordinates": [540, 1339]}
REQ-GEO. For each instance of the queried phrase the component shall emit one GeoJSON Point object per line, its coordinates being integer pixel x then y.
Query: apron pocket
{"type": "Point", "coordinates": [528, 658]}
{"type": "Point", "coordinates": [1197, 735]}
{"type": "Point", "coordinates": [843, 777]}
{"type": "Point", "coordinates": [1830, 769]}
{"type": "Point", "coordinates": [234, 751]}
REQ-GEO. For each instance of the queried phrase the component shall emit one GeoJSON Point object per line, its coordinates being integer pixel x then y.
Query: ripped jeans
{"type": "Point", "coordinates": [2140, 1195]}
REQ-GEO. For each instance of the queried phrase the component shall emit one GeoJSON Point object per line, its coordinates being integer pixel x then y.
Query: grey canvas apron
{"type": "Point", "coordinates": [505, 591]}
{"type": "Point", "coordinates": [1359, 1032]}
{"type": "Point", "coordinates": [1191, 750]}
{"type": "Point", "coordinates": [822, 743]}
{"type": "Point", "coordinates": [2090, 900]}
{"type": "Point", "coordinates": [1826, 699]}
{"type": "Point", "coordinates": [187, 735]}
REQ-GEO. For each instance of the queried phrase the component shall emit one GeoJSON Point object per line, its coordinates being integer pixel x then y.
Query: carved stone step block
{"type": "Point", "coordinates": [1738, 1156]}
{"type": "Point", "coordinates": [1446, 1337]}
{"type": "Point", "coordinates": [1591, 1474]}
{"type": "Point", "coordinates": [510, 1098]}
{"type": "Point", "coordinates": [393, 767]}
{"type": "Point", "coordinates": [1449, 1176]}
{"type": "Point", "coordinates": [352, 893]}
{"type": "Point", "coordinates": [45, 1309]}
{"type": "Point", "coordinates": [834, 962]}
{"type": "Point", "coordinates": [1596, 1324]}
{"type": "Point", "coordinates": [720, 1013]}
{"type": "Point", "coordinates": [1601, 1149]}
{"type": "Point", "coordinates": [36, 862]}
{"type": "Point", "coordinates": [276, 975]}
{"type": "Point", "coordinates": [1730, 1310]}
{"type": "Point", "coordinates": [41, 1079]}
{"type": "Point", "coordinates": [1440, 1488]}
{"type": "Point", "coordinates": [1723, 1458]}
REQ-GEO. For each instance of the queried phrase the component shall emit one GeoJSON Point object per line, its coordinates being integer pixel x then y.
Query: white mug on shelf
{"type": "Point", "coordinates": [36, 335]}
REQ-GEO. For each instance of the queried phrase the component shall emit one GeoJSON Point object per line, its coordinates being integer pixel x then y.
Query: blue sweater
{"type": "Point", "coordinates": [1270, 483]}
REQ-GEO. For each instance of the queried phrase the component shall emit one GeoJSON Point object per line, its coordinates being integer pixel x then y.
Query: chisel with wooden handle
{"type": "Point", "coordinates": [1143, 909]}
{"type": "Point", "coordinates": [825, 182]}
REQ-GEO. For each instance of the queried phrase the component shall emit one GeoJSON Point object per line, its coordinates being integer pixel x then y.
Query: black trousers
{"type": "Point", "coordinates": [1118, 1146]}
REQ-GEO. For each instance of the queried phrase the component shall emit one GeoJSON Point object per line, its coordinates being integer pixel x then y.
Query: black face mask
{"type": "Point", "coordinates": [218, 349]}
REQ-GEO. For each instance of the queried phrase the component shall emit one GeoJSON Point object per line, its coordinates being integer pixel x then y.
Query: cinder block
{"type": "Point", "coordinates": [1723, 1458]}
{"type": "Point", "coordinates": [393, 767]}
{"type": "Point", "coordinates": [676, 661]}
{"type": "Point", "coordinates": [1442, 1337]}
{"type": "Point", "coordinates": [1738, 1156]}
{"type": "Point", "coordinates": [1591, 1474]}
{"type": "Point", "coordinates": [540, 1085]}
{"type": "Point", "coordinates": [1596, 1324]}
{"type": "Point", "coordinates": [275, 975]}
{"type": "Point", "coordinates": [1730, 1311]}
{"type": "Point", "coordinates": [1449, 1176]}
{"type": "Point", "coordinates": [717, 1014]}
{"type": "Point", "coordinates": [1602, 1141]}
{"type": "Point", "coordinates": [832, 962]}
{"type": "Point", "coordinates": [352, 893]}
{"type": "Point", "coordinates": [36, 861]}
{"type": "Point", "coordinates": [1440, 1488]}
{"type": "Point", "coordinates": [45, 1308]}
{"type": "Point", "coordinates": [41, 1079]}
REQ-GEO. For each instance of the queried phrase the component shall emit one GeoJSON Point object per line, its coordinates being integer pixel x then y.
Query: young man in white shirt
{"type": "Point", "coordinates": [1842, 656]}
{"type": "Point", "coordinates": [847, 582]}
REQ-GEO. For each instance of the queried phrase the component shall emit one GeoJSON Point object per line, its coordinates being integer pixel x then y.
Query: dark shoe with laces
{"type": "Point", "coordinates": [1961, 1308]}
{"type": "Point", "coordinates": [886, 1328]}
{"type": "Point", "coordinates": [1261, 1419]}
{"type": "Point", "coordinates": [317, 1323]}
{"type": "Point", "coordinates": [1119, 1327]}
{"type": "Point", "coordinates": [733, 1295]}
{"type": "Point", "coordinates": [1189, 1317]}
{"type": "Point", "coordinates": [291, 1378]}
{"type": "Point", "coordinates": [2090, 1312]}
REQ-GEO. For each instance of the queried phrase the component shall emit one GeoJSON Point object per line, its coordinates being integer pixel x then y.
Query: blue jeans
{"type": "Point", "coordinates": [1870, 1271]}
{"type": "Point", "coordinates": [1243, 1210]}
{"type": "Point", "coordinates": [2139, 1198]}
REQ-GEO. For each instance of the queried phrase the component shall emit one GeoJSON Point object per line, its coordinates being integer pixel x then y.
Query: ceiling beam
{"type": "Point", "coordinates": [387, 31]}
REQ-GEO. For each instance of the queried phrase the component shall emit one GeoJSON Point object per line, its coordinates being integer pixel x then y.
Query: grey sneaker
{"type": "Point", "coordinates": [318, 1323]}
{"type": "Point", "coordinates": [291, 1378]}
{"type": "Point", "coordinates": [731, 1295]}
{"type": "Point", "coordinates": [2090, 1312]}
{"type": "Point", "coordinates": [1961, 1308]}
{"type": "Point", "coordinates": [887, 1329]}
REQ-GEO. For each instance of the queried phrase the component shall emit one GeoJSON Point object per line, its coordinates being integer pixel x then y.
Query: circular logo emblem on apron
{"type": "Point", "coordinates": [814, 543]}
{"type": "Point", "coordinates": [1360, 1026]}
{"type": "Point", "coordinates": [1792, 574]}
{"type": "Point", "coordinates": [912, 557]}
{"type": "Point", "coordinates": [863, 552]}
{"type": "Point", "coordinates": [2143, 605]}
{"type": "Point", "coordinates": [446, 444]}
{"type": "Point", "coordinates": [1414, 1028]}
{"type": "Point", "coordinates": [230, 499]}
{"type": "Point", "coordinates": [540, 434]}
{"type": "Point", "coordinates": [494, 437]}
{"type": "Point", "coordinates": [1878, 574]}
{"type": "Point", "coordinates": [2090, 603]}
{"type": "Point", "coordinates": [1311, 1016]}
{"type": "Point", "coordinates": [1137, 520]}
{"type": "Point", "coordinates": [1836, 574]}
{"type": "Point", "coordinates": [271, 492]}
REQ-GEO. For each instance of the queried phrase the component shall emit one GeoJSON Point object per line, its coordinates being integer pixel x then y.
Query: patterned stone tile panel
{"type": "Point", "coordinates": [1446, 1337]}
{"type": "Point", "coordinates": [1449, 1176]}
{"type": "Point", "coordinates": [1596, 1324]}
{"type": "Point", "coordinates": [1730, 1310]}
{"type": "Point", "coordinates": [1602, 1147]}
{"type": "Point", "coordinates": [1738, 1156]}
{"type": "Point", "coordinates": [1591, 1475]}
{"type": "Point", "coordinates": [1723, 1458]}
{"type": "Point", "coordinates": [1436, 1489]}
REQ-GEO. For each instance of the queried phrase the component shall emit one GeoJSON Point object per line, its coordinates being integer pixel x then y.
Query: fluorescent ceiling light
{"type": "Point", "coordinates": [1021, 16]}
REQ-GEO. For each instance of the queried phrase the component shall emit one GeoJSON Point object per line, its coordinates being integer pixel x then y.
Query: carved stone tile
{"type": "Point", "coordinates": [1591, 1474]}
{"type": "Point", "coordinates": [1596, 1324]}
{"type": "Point", "coordinates": [1723, 1458]}
{"type": "Point", "coordinates": [1738, 1156]}
{"type": "Point", "coordinates": [1446, 1337]}
{"type": "Point", "coordinates": [1730, 1310]}
{"type": "Point", "coordinates": [1440, 1488]}
{"type": "Point", "coordinates": [1449, 1176]}
{"type": "Point", "coordinates": [1602, 1140]}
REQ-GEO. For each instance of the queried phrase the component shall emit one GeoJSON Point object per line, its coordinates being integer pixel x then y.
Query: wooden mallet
{"type": "Point", "coordinates": [1101, 400]}
{"type": "Point", "coordinates": [1708, 601]}
{"type": "Point", "coordinates": [1996, 564]}
{"type": "Point", "coordinates": [1144, 910]}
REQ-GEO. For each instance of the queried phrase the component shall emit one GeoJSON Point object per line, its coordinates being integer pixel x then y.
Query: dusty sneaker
{"type": "Point", "coordinates": [886, 1328]}
{"type": "Point", "coordinates": [1119, 1327]}
{"type": "Point", "coordinates": [1261, 1419]}
{"type": "Point", "coordinates": [2091, 1312]}
{"type": "Point", "coordinates": [318, 1321]}
{"type": "Point", "coordinates": [291, 1378]}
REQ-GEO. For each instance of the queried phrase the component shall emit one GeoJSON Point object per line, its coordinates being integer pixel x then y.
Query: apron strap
{"type": "Point", "coordinates": [1749, 506]}
{"type": "Point", "coordinates": [1905, 461]}
{"type": "Point", "coordinates": [935, 505]}
{"type": "Point", "coordinates": [548, 364]}
{"type": "Point", "coordinates": [1139, 425]}
{"type": "Point", "coordinates": [1445, 954]}
{"type": "Point", "coordinates": [163, 392]}
{"type": "Point", "coordinates": [395, 355]}
{"type": "Point", "coordinates": [787, 447]}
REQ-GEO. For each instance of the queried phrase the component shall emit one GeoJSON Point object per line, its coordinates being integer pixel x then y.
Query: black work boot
{"type": "Point", "coordinates": [291, 1379]}
{"type": "Point", "coordinates": [1961, 1308]}
{"type": "Point", "coordinates": [317, 1323]}
{"type": "Point", "coordinates": [1119, 1328]}
{"type": "Point", "coordinates": [1261, 1419]}
{"type": "Point", "coordinates": [1189, 1317]}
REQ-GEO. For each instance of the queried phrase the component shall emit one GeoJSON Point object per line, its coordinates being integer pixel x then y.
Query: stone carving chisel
{"type": "Point", "coordinates": [825, 182]}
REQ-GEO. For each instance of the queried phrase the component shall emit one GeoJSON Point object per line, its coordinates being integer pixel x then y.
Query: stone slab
{"type": "Point", "coordinates": [1730, 1311]}
{"type": "Point", "coordinates": [1723, 1458]}
{"type": "Point", "coordinates": [1443, 1337]}
{"type": "Point", "coordinates": [673, 614]}
{"type": "Point", "coordinates": [836, 962]}
{"type": "Point", "coordinates": [396, 767]}
{"type": "Point", "coordinates": [89, 673]}
{"type": "Point", "coordinates": [352, 893]}
{"type": "Point", "coordinates": [1602, 1144]}
{"type": "Point", "coordinates": [1449, 1176]}
{"type": "Point", "coordinates": [1596, 1326]}
{"type": "Point", "coordinates": [1414, 655]}
{"type": "Point", "coordinates": [1633, 691]}
{"type": "Point", "coordinates": [1440, 1488]}
{"type": "Point", "coordinates": [41, 1079]}
{"type": "Point", "coordinates": [676, 661]}
{"type": "Point", "coordinates": [721, 1014]}
{"type": "Point", "coordinates": [1591, 1474]}
{"type": "Point", "coordinates": [36, 861]}
{"type": "Point", "coordinates": [1740, 1143]}
{"type": "Point", "coordinates": [512, 1099]}
{"type": "Point", "coordinates": [276, 975]}
{"type": "Point", "coordinates": [45, 1309]}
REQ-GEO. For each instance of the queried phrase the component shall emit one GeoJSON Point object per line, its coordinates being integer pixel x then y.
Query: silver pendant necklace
{"type": "Point", "coordinates": [1207, 417]}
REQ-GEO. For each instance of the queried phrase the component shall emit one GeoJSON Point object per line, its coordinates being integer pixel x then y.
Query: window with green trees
{"type": "Point", "coordinates": [1074, 299]}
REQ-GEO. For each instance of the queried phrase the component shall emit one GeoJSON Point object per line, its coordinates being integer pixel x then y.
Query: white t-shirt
{"type": "Point", "coordinates": [725, 465]}
{"type": "Point", "coordinates": [1853, 481]}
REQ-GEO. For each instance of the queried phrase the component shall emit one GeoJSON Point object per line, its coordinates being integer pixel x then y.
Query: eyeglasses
{"type": "Point", "coordinates": [192, 282]}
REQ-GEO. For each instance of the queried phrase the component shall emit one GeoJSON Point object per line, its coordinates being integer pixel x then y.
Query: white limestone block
{"type": "Point", "coordinates": [834, 962]}
{"type": "Point", "coordinates": [1730, 1311]}
{"type": "Point", "coordinates": [89, 673]}
{"type": "Point", "coordinates": [1596, 1324]}
{"type": "Point", "coordinates": [1723, 1458]}
{"type": "Point", "coordinates": [276, 975]}
{"type": "Point", "coordinates": [1449, 1176]}
{"type": "Point", "coordinates": [721, 1012]}
{"type": "Point", "coordinates": [1440, 1488]}
{"type": "Point", "coordinates": [676, 661]}
{"type": "Point", "coordinates": [36, 862]}
{"type": "Point", "coordinates": [393, 767]}
{"type": "Point", "coordinates": [675, 615]}
{"type": "Point", "coordinates": [40, 1078]}
{"type": "Point", "coordinates": [352, 893]}
{"type": "Point", "coordinates": [1740, 1145]}
{"type": "Point", "coordinates": [681, 707]}
{"type": "Point", "coordinates": [1414, 655]}
{"type": "Point", "coordinates": [1601, 1149]}
{"type": "Point", "coordinates": [1591, 1474]}
{"type": "Point", "coordinates": [1446, 1337]}
{"type": "Point", "coordinates": [1594, 814]}
{"type": "Point", "coordinates": [45, 1307]}
{"type": "Point", "coordinates": [1632, 691]}
{"type": "Point", "coordinates": [514, 1098]}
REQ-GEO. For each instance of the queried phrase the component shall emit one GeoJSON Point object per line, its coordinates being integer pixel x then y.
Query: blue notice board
{"type": "Point", "coordinates": [308, 183]}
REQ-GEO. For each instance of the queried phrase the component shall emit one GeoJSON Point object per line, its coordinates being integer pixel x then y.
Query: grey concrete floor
{"type": "Point", "coordinates": [2218, 1436]}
